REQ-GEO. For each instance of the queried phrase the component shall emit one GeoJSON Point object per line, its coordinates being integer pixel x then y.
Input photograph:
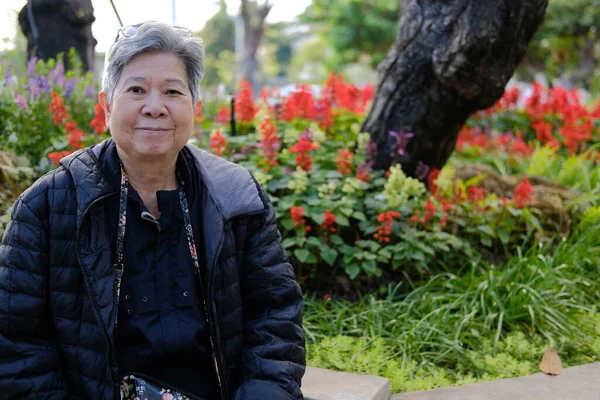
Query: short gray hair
{"type": "Point", "coordinates": [155, 37]}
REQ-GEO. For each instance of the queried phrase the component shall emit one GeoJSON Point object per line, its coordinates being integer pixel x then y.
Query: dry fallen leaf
{"type": "Point", "coordinates": [551, 363]}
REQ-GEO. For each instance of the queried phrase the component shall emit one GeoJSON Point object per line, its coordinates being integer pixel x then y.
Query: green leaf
{"type": "Point", "coordinates": [346, 211]}
{"type": "Point", "coordinates": [329, 255]}
{"type": "Point", "coordinates": [353, 270]}
{"type": "Point", "coordinates": [288, 242]}
{"type": "Point", "coordinates": [342, 220]}
{"type": "Point", "coordinates": [503, 235]}
{"type": "Point", "coordinates": [302, 255]}
{"type": "Point", "coordinates": [287, 223]}
{"type": "Point", "coordinates": [318, 218]}
{"type": "Point", "coordinates": [314, 241]}
{"type": "Point", "coordinates": [359, 216]}
{"type": "Point", "coordinates": [335, 239]}
{"type": "Point", "coordinates": [369, 267]}
{"type": "Point", "coordinates": [486, 229]}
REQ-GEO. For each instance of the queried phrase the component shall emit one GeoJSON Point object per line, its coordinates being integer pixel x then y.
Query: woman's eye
{"type": "Point", "coordinates": [173, 92]}
{"type": "Point", "coordinates": [136, 89]}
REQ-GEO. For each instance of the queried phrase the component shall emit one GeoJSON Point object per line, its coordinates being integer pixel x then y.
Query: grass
{"type": "Point", "coordinates": [482, 322]}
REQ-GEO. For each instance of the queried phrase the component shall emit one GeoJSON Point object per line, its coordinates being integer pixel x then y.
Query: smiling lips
{"type": "Point", "coordinates": [151, 129]}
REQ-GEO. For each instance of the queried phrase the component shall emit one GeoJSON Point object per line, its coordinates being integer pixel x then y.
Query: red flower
{"type": "Point", "coordinates": [58, 109]}
{"type": "Point", "coordinates": [344, 161]}
{"type": "Point", "coordinates": [524, 193]}
{"type": "Point", "coordinates": [57, 156]}
{"type": "Point", "coordinates": [385, 229]}
{"type": "Point", "coordinates": [302, 148]}
{"type": "Point", "coordinates": [298, 218]}
{"type": "Point", "coordinates": [99, 121]}
{"type": "Point", "coordinates": [75, 135]}
{"type": "Point", "coordinates": [432, 178]}
{"type": "Point", "coordinates": [269, 142]}
{"type": "Point", "coordinates": [328, 222]}
{"type": "Point", "coordinates": [476, 194]}
{"type": "Point", "coordinates": [363, 172]}
{"type": "Point", "coordinates": [223, 115]}
{"type": "Point", "coordinates": [326, 297]}
{"type": "Point", "coordinates": [218, 144]}
{"type": "Point", "coordinates": [300, 104]}
{"type": "Point", "coordinates": [245, 109]}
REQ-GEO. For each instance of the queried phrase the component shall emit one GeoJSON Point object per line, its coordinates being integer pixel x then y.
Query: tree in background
{"type": "Point", "coordinates": [357, 30]}
{"type": "Point", "coordinates": [449, 60]}
{"type": "Point", "coordinates": [55, 26]}
{"type": "Point", "coordinates": [254, 16]}
{"type": "Point", "coordinates": [219, 44]}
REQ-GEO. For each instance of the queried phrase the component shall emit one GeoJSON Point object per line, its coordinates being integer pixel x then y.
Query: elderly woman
{"type": "Point", "coordinates": [145, 266]}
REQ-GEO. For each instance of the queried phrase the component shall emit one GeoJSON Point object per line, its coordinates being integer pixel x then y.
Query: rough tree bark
{"type": "Point", "coordinates": [450, 59]}
{"type": "Point", "coordinates": [61, 25]}
{"type": "Point", "coordinates": [254, 28]}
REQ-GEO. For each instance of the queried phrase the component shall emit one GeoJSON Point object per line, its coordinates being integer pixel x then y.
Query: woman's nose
{"type": "Point", "coordinates": [154, 106]}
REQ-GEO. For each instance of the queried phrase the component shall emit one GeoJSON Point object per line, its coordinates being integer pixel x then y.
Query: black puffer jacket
{"type": "Point", "coordinates": [57, 297]}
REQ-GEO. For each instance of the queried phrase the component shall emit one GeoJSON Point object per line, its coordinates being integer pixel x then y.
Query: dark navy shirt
{"type": "Point", "coordinates": [162, 331]}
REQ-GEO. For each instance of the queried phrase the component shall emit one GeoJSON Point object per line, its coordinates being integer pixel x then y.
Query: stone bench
{"type": "Point", "coordinates": [324, 384]}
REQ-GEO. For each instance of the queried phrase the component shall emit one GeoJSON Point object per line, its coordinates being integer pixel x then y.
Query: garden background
{"type": "Point", "coordinates": [436, 278]}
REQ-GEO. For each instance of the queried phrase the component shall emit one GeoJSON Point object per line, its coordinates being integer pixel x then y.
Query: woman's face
{"type": "Point", "coordinates": [151, 115]}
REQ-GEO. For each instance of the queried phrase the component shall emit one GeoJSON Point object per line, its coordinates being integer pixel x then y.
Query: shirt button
{"type": "Point", "coordinates": [185, 294]}
{"type": "Point", "coordinates": [126, 297]}
{"type": "Point", "coordinates": [130, 312]}
{"type": "Point", "coordinates": [144, 299]}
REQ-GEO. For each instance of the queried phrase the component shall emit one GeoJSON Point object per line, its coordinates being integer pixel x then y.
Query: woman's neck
{"type": "Point", "coordinates": [148, 177]}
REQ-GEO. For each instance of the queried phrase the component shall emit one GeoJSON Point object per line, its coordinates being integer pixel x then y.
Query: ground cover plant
{"type": "Point", "coordinates": [447, 277]}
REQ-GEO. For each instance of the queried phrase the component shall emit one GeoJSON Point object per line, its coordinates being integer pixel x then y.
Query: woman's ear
{"type": "Point", "coordinates": [104, 104]}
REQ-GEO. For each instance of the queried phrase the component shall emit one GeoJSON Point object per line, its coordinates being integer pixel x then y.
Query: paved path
{"type": "Point", "coordinates": [576, 383]}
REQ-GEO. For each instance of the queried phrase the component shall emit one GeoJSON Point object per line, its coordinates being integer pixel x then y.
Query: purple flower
{"type": "Point", "coordinates": [31, 66]}
{"type": "Point", "coordinates": [9, 74]}
{"type": "Point", "coordinates": [21, 101]}
{"type": "Point", "coordinates": [58, 74]}
{"type": "Point", "coordinates": [307, 134]}
{"type": "Point", "coordinates": [44, 84]}
{"type": "Point", "coordinates": [33, 88]}
{"type": "Point", "coordinates": [365, 167]}
{"type": "Point", "coordinates": [402, 139]}
{"type": "Point", "coordinates": [90, 91]}
{"type": "Point", "coordinates": [70, 87]}
{"type": "Point", "coordinates": [422, 170]}
{"type": "Point", "coordinates": [371, 149]}
{"type": "Point", "coordinates": [245, 150]}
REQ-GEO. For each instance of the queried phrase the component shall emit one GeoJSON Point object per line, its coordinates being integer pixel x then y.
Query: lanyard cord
{"type": "Point", "coordinates": [119, 266]}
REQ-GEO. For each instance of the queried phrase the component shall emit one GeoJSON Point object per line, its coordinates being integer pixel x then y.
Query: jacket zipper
{"type": "Point", "coordinates": [94, 304]}
{"type": "Point", "coordinates": [218, 357]}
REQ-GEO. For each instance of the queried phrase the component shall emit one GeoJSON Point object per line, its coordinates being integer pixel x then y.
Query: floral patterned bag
{"type": "Point", "coordinates": [140, 387]}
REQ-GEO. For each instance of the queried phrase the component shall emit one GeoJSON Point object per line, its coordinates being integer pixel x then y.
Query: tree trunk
{"type": "Point", "coordinates": [254, 27]}
{"type": "Point", "coordinates": [450, 59]}
{"type": "Point", "coordinates": [252, 40]}
{"type": "Point", "coordinates": [55, 26]}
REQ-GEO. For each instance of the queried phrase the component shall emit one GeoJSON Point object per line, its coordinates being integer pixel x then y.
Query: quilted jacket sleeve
{"type": "Point", "coordinates": [29, 361]}
{"type": "Point", "coordinates": [274, 356]}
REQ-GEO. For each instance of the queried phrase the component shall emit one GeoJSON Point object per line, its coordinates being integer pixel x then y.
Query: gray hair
{"type": "Point", "coordinates": [156, 37]}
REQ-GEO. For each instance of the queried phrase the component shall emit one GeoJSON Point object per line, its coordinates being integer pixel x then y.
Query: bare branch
{"type": "Point", "coordinates": [264, 11]}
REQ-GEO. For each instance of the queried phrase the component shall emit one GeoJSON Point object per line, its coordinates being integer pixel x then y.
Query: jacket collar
{"type": "Point", "coordinates": [229, 186]}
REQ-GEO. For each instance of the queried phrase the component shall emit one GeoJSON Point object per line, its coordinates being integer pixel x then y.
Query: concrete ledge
{"type": "Point", "coordinates": [575, 383]}
{"type": "Point", "coordinates": [323, 384]}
